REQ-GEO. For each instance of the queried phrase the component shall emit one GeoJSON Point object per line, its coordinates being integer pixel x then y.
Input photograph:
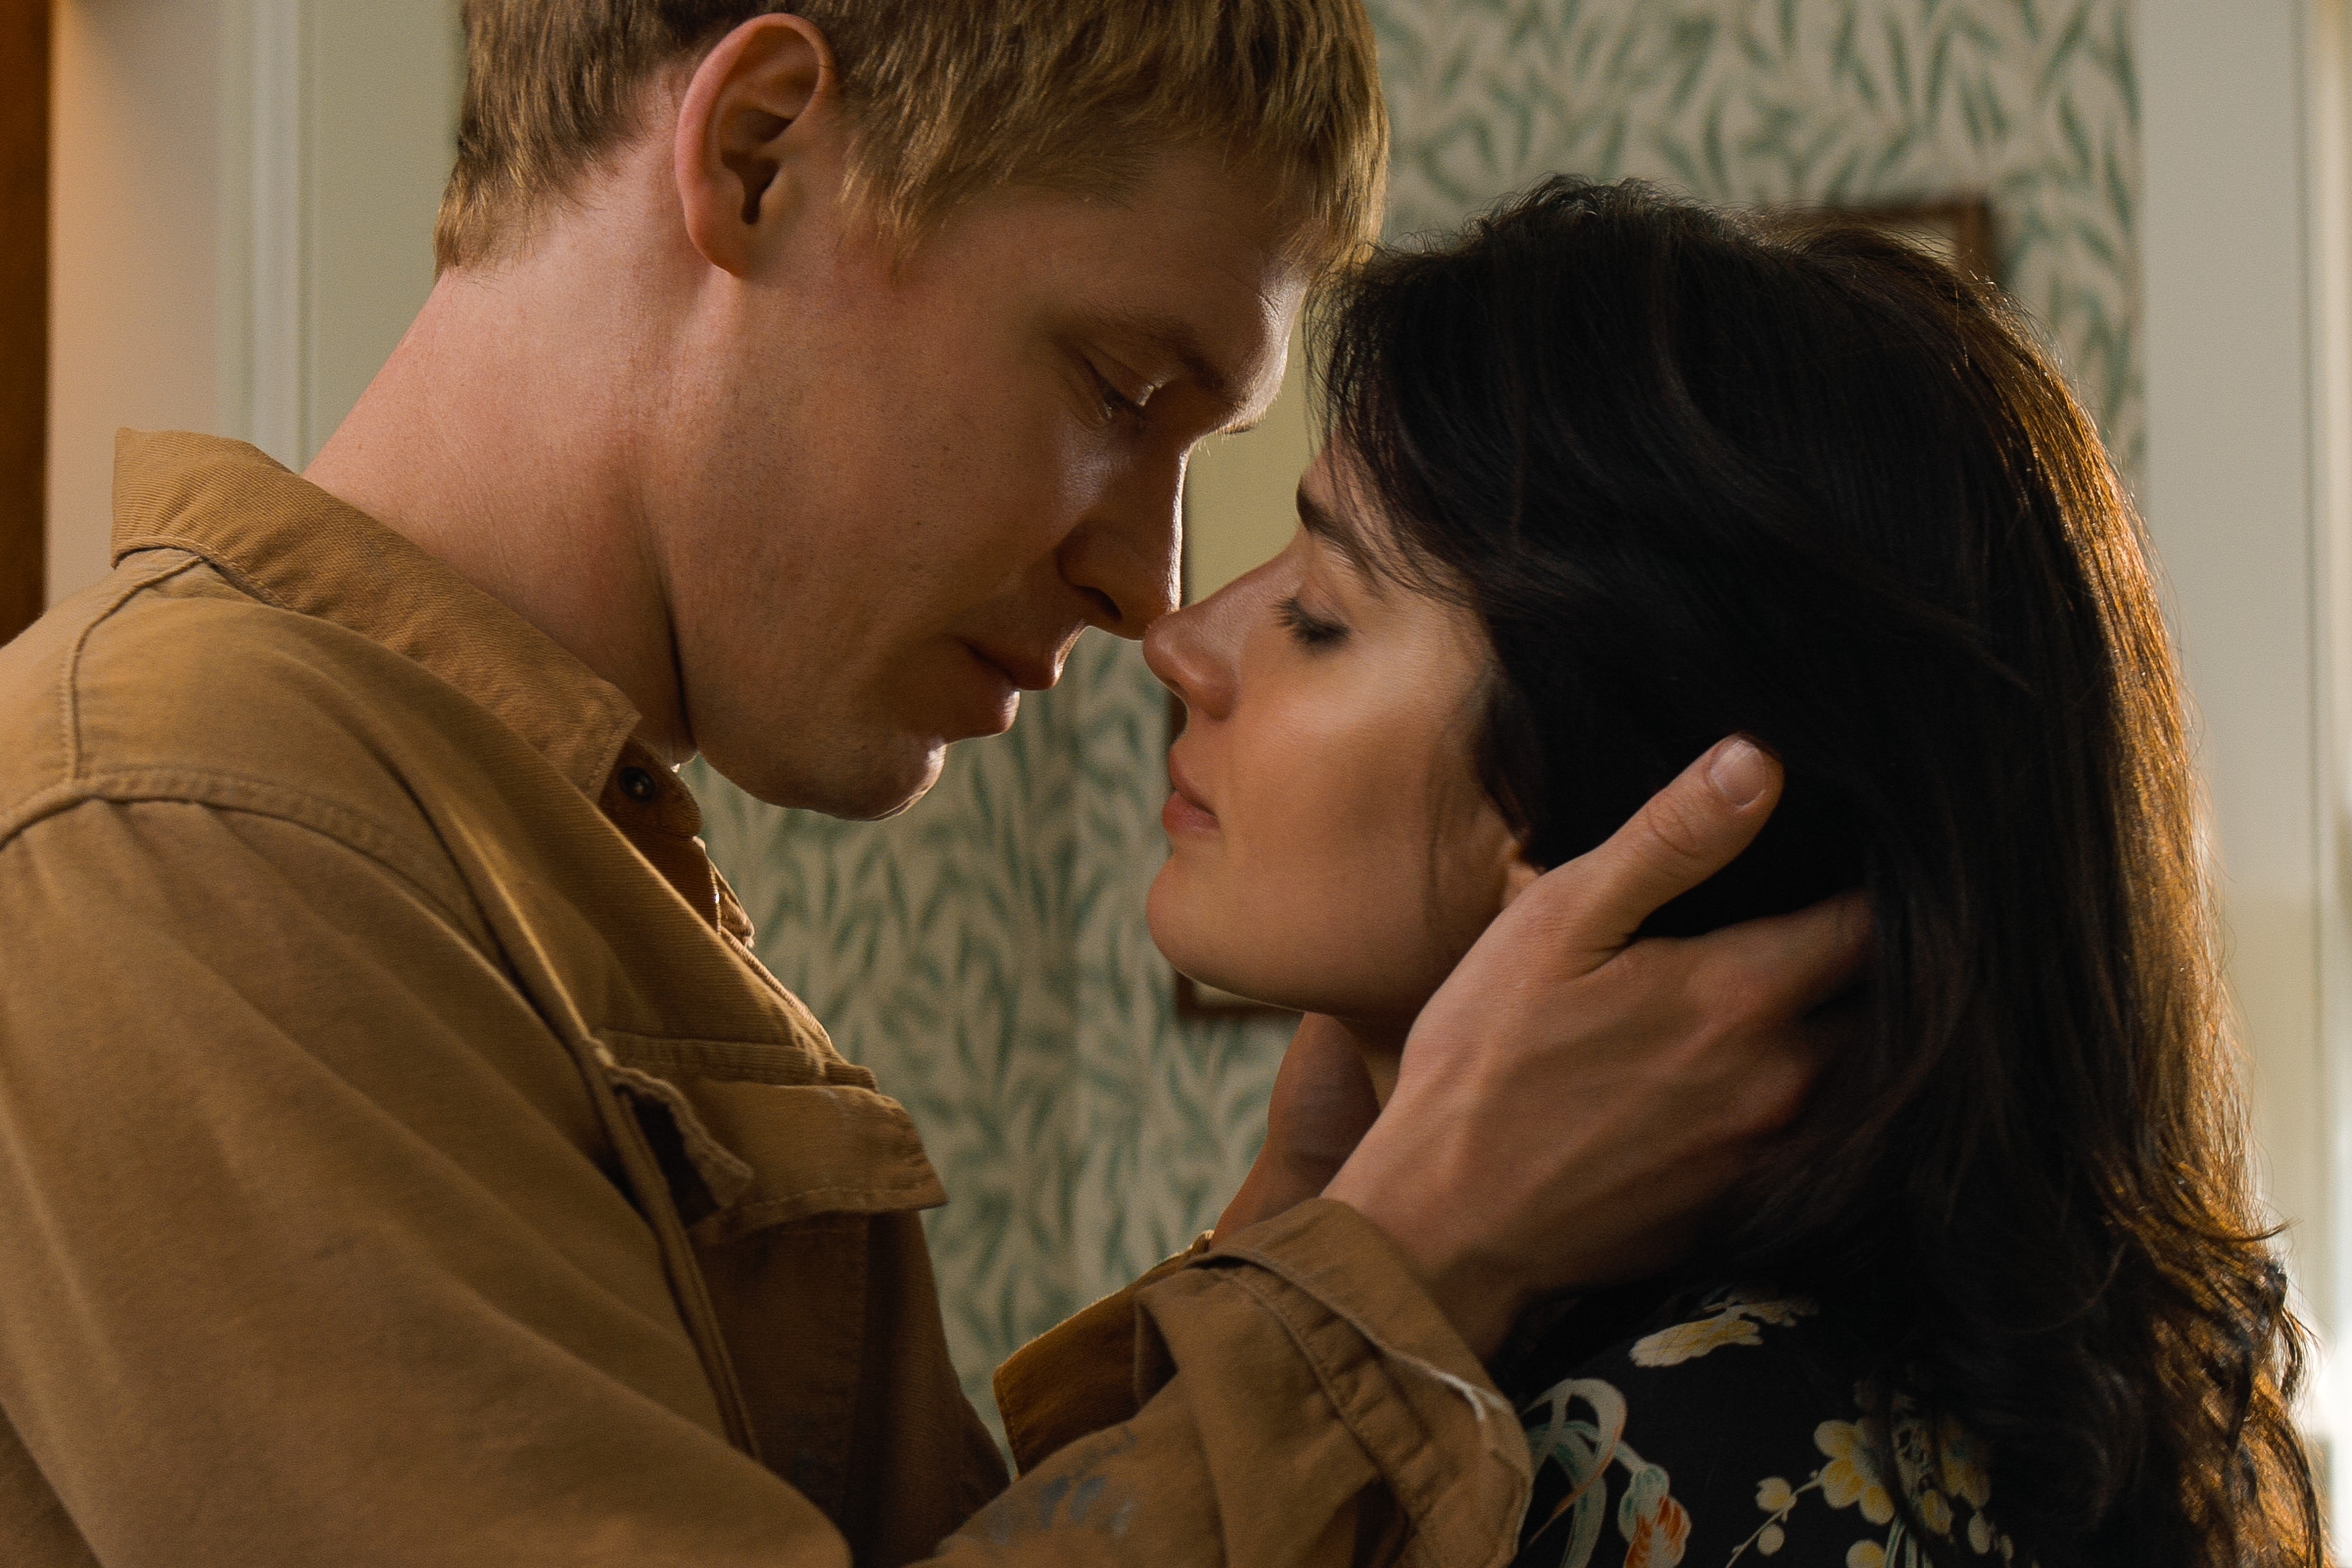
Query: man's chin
{"type": "Point", "coordinates": [877, 784]}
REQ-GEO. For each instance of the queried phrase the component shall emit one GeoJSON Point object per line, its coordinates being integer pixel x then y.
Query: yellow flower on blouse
{"type": "Point", "coordinates": [1851, 1476]}
{"type": "Point", "coordinates": [1962, 1463]}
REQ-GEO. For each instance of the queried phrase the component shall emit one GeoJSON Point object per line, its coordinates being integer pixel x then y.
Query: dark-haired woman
{"type": "Point", "coordinates": [1610, 476]}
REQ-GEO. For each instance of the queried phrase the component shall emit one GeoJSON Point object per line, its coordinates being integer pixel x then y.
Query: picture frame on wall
{"type": "Point", "coordinates": [1957, 228]}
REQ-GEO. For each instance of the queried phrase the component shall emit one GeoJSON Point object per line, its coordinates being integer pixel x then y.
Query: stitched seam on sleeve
{"type": "Point", "coordinates": [341, 825]}
{"type": "Point", "coordinates": [1422, 1499]}
{"type": "Point", "coordinates": [1326, 1374]}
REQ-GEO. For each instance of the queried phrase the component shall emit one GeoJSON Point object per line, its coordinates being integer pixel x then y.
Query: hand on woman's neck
{"type": "Point", "coordinates": [1380, 1041]}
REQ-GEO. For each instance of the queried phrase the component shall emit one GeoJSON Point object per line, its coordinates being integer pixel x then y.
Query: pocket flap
{"type": "Point", "coordinates": [811, 1149]}
{"type": "Point", "coordinates": [776, 1133]}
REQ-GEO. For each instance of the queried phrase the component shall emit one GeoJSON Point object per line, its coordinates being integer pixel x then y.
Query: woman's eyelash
{"type": "Point", "coordinates": [1309, 631]}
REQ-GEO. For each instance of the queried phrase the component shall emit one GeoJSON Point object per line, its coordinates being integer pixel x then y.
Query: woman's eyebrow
{"type": "Point", "coordinates": [1317, 520]}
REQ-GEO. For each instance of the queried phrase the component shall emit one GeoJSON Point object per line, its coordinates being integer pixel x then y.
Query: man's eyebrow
{"type": "Point", "coordinates": [1321, 524]}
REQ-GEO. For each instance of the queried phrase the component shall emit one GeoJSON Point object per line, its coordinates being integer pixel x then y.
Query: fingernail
{"type": "Point", "coordinates": [1740, 772]}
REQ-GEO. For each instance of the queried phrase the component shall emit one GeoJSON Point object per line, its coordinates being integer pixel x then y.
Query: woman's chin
{"type": "Point", "coordinates": [1185, 933]}
{"type": "Point", "coordinates": [1315, 963]}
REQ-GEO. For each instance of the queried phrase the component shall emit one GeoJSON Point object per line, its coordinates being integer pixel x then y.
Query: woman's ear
{"type": "Point", "coordinates": [1517, 878]}
{"type": "Point", "coordinates": [758, 138]}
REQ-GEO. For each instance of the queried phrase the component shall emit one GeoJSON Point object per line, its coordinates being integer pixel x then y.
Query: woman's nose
{"type": "Point", "coordinates": [1183, 651]}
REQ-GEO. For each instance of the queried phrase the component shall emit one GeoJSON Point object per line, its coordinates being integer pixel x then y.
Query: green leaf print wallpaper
{"type": "Point", "coordinates": [986, 954]}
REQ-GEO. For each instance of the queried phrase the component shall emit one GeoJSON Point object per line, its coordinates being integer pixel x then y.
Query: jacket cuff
{"type": "Point", "coordinates": [1078, 1376]}
{"type": "Point", "coordinates": [1400, 1379]}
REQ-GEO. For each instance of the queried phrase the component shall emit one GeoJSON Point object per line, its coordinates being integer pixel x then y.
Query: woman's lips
{"type": "Point", "coordinates": [1184, 814]}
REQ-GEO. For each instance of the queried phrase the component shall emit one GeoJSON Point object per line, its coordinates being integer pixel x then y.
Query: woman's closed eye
{"type": "Point", "coordinates": [1307, 629]}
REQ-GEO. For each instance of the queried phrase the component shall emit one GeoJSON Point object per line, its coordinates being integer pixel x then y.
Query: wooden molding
{"type": "Point", "coordinates": [24, 310]}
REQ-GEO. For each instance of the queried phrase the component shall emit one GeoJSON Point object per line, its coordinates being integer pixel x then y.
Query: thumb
{"type": "Point", "coordinates": [1684, 834]}
{"type": "Point", "coordinates": [1323, 1099]}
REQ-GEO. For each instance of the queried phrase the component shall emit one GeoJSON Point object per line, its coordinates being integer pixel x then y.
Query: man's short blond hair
{"type": "Point", "coordinates": [948, 100]}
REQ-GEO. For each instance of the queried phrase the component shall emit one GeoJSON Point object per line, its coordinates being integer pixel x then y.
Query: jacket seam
{"type": "Point", "coordinates": [70, 676]}
{"type": "Point", "coordinates": [1426, 1497]}
{"type": "Point", "coordinates": [211, 553]}
{"type": "Point", "coordinates": [185, 787]}
{"type": "Point", "coordinates": [1326, 1375]}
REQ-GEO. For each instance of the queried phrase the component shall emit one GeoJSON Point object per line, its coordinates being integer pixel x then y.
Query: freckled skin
{"type": "Point", "coordinates": [1353, 857]}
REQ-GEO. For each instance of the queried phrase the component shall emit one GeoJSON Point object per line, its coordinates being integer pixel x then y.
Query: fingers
{"type": "Point", "coordinates": [1323, 1103]}
{"type": "Point", "coordinates": [1784, 988]}
{"type": "Point", "coordinates": [1323, 1099]}
{"type": "Point", "coordinates": [1787, 965]}
{"type": "Point", "coordinates": [1684, 834]}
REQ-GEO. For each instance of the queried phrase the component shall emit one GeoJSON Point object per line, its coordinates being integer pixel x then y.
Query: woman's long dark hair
{"type": "Point", "coordinates": [1701, 474]}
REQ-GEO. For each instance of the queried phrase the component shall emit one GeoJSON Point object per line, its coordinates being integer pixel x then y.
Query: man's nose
{"type": "Point", "coordinates": [1123, 558]}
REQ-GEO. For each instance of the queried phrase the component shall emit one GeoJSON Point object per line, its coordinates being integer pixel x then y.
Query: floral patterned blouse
{"type": "Point", "coordinates": [1720, 1427]}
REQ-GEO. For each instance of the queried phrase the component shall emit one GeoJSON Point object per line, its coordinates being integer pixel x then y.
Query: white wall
{"type": "Point", "coordinates": [242, 225]}
{"type": "Point", "coordinates": [2245, 267]}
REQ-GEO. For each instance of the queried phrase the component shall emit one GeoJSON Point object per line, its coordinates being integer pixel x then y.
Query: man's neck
{"type": "Point", "coordinates": [499, 438]}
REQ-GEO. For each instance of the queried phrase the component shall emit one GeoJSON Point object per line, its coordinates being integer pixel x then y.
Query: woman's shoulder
{"type": "Point", "coordinates": [1730, 1425]}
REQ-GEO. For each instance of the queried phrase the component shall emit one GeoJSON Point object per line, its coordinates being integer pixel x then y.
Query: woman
{"type": "Point", "coordinates": [1611, 477]}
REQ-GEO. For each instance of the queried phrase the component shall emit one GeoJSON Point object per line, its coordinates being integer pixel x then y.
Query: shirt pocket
{"type": "Point", "coordinates": [771, 1133]}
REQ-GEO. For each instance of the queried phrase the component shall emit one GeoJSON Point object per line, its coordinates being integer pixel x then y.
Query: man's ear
{"type": "Point", "coordinates": [754, 136]}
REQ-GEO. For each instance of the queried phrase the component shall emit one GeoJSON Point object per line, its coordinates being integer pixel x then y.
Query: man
{"type": "Point", "coordinates": [403, 1159]}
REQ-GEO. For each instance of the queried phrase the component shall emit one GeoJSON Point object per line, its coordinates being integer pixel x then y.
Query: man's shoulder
{"type": "Point", "coordinates": [165, 680]}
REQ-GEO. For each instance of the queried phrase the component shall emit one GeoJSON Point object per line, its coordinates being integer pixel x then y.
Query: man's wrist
{"type": "Point", "coordinates": [1480, 1296]}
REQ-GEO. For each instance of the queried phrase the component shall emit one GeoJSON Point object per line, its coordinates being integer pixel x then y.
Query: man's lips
{"type": "Point", "coordinates": [1027, 672]}
{"type": "Point", "coordinates": [1186, 811]}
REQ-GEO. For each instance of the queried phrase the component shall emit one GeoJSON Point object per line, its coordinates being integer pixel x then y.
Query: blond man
{"type": "Point", "coordinates": [403, 1158]}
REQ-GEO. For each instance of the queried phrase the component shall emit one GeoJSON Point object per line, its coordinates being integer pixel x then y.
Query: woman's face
{"type": "Point", "coordinates": [1330, 849]}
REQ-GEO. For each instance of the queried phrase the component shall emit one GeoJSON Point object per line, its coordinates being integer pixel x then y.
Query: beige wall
{"type": "Point", "coordinates": [136, 322]}
{"type": "Point", "coordinates": [2248, 261]}
{"type": "Point", "coordinates": [383, 112]}
{"type": "Point", "coordinates": [243, 207]}
{"type": "Point", "coordinates": [1239, 490]}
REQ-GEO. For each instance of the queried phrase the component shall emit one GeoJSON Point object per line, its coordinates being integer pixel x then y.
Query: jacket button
{"type": "Point", "coordinates": [638, 786]}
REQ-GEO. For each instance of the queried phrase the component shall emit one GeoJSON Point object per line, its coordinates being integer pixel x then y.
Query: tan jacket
{"type": "Point", "coordinates": [403, 1160]}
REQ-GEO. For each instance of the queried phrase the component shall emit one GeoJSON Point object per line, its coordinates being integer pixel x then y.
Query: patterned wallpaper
{"type": "Point", "coordinates": [2030, 103]}
{"type": "Point", "coordinates": [985, 953]}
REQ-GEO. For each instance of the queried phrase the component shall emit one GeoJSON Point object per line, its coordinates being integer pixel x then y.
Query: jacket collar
{"type": "Point", "coordinates": [290, 544]}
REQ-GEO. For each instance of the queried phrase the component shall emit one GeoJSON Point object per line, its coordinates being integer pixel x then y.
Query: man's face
{"type": "Point", "coordinates": [890, 500]}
